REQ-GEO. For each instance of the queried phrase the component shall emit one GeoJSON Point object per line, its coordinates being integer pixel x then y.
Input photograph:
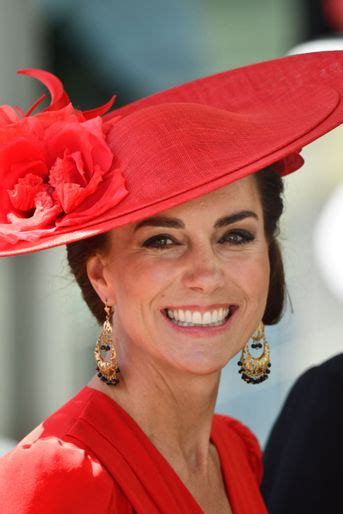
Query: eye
{"type": "Point", "coordinates": [161, 242]}
{"type": "Point", "coordinates": [237, 237]}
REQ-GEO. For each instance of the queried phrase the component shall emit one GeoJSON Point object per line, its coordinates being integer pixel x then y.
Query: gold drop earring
{"type": "Point", "coordinates": [254, 370]}
{"type": "Point", "coordinates": [105, 353]}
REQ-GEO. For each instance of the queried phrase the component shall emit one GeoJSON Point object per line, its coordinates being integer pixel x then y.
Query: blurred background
{"type": "Point", "coordinates": [133, 48]}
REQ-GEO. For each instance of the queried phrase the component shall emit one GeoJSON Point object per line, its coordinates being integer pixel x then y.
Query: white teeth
{"type": "Point", "coordinates": [180, 315]}
{"type": "Point", "coordinates": [214, 316]}
{"type": "Point", "coordinates": [196, 318]}
{"type": "Point", "coordinates": [188, 316]}
{"type": "Point", "coordinates": [207, 318]}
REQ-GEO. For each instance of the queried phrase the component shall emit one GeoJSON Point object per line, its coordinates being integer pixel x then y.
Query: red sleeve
{"type": "Point", "coordinates": [52, 476]}
{"type": "Point", "coordinates": [251, 444]}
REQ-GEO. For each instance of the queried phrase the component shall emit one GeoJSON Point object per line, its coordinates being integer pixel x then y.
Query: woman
{"type": "Point", "coordinates": [171, 236]}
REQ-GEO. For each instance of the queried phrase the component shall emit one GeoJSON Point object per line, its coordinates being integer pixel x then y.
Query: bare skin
{"type": "Point", "coordinates": [170, 377]}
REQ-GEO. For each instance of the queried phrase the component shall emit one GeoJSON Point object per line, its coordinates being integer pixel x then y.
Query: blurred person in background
{"type": "Point", "coordinates": [304, 452]}
{"type": "Point", "coordinates": [169, 208]}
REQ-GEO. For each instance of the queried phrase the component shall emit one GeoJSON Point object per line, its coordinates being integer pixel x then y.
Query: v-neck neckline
{"type": "Point", "coordinates": [215, 439]}
{"type": "Point", "coordinates": [147, 479]}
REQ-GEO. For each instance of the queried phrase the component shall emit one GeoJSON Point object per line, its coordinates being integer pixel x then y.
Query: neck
{"type": "Point", "coordinates": [173, 408]}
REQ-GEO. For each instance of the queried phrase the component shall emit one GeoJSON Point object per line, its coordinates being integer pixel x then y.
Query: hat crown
{"type": "Point", "coordinates": [166, 149]}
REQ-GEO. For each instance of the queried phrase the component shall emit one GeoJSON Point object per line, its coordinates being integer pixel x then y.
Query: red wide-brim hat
{"type": "Point", "coordinates": [66, 175]}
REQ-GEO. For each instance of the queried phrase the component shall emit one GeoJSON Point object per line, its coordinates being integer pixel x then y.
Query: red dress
{"type": "Point", "coordinates": [90, 457]}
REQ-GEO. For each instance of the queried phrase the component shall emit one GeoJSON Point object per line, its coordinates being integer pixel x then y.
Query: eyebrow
{"type": "Point", "coordinates": [233, 218]}
{"type": "Point", "coordinates": [165, 221]}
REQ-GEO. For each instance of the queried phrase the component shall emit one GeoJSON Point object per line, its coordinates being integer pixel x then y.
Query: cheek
{"type": "Point", "coordinates": [138, 280]}
{"type": "Point", "coordinates": [252, 275]}
{"type": "Point", "coordinates": [260, 274]}
{"type": "Point", "coordinates": [140, 286]}
{"type": "Point", "coordinates": [260, 285]}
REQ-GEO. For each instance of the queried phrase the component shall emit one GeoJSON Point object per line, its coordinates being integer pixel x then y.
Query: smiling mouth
{"type": "Point", "coordinates": [188, 318]}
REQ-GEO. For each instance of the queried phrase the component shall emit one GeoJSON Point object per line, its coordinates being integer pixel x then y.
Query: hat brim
{"type": "Point", "coordinates": [303, 93]}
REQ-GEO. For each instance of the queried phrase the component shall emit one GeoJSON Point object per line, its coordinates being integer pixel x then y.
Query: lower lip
{"type": "Point", "coordinates": [201, 331]}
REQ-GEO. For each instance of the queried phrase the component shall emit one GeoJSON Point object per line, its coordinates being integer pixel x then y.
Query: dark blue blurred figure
{"type": "Point", "coordinates": [304, 453]}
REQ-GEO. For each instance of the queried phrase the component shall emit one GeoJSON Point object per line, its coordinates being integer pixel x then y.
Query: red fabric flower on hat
{"type": "Point", "coordinates": [56, 168]}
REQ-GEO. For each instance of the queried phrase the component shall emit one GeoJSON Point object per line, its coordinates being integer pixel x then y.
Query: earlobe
{"type": "Point", "coordinates": [96, 271]}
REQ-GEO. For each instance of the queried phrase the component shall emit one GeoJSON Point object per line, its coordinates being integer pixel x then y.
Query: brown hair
{"type": "Point", "coordinates": [270, 187]}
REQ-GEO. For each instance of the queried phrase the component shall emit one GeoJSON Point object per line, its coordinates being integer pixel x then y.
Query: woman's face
{"type": "Point", "coordinates": [190, 284]}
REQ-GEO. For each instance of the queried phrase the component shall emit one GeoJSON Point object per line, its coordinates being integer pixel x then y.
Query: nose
{"type": "Point", "coordinates": [203, 270]}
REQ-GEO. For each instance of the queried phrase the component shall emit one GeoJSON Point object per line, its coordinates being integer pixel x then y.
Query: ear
{"type": "Point", "coordinates": [100, 278]}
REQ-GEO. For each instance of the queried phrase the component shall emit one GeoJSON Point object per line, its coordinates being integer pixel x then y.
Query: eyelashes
{"type": "Point", "coordinates": [233, 237]}
{"type": "Point", "coordinates": [160, 242]}
{"type": "Point", "coordinates": [237, 237]}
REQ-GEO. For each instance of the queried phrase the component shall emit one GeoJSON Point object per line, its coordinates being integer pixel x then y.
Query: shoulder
{"type": "Point", "coordinates": [49, 470]}
{"type": "Point", "coordinates": [331, 369]}
{"type": "Point", "coordinates": [307, 438]}
{"type": "Point", "coordinates": [49, 475]}
{"type": "Point", "coordinates": [311, 404]}
{"type": "Point", "coordinates": [246, 439]}
{"type": "Point", "coordinates": [322, 383]}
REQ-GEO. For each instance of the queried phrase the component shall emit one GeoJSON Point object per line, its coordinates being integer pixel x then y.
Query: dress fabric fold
{"type": "Point", "coordinates": [91, 456]}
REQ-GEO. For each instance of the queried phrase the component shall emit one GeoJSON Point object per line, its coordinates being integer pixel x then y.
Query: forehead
{"type": "Point", "coordinates": [240, 194]}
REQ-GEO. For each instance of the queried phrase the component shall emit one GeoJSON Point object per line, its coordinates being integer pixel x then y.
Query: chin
{"type": "Point", "coordinates": [200, 365]}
